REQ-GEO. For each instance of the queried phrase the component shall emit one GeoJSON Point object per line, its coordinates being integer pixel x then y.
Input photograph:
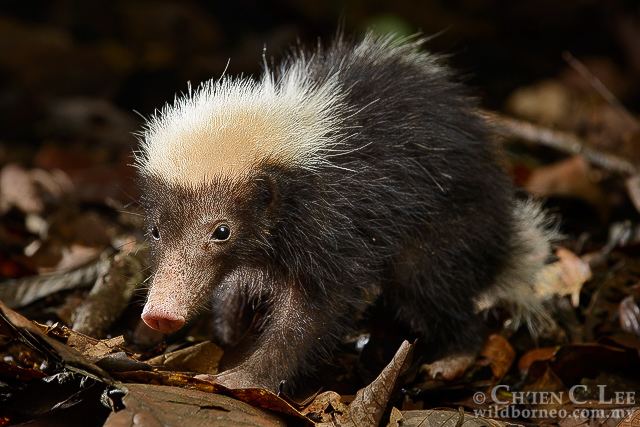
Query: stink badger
{"type": "Point", "coordinates": [354, 170]}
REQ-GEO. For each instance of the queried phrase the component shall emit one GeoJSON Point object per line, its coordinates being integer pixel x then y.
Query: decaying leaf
{"type": "Point", "coordinates": [572, 177]}
{"type": "Point", "coordinates": [370, 402]}
{"type": "Point", "coordinates": [629, 315]}
{"type": "Point", "coordinates": [325, 407]}
{"type": "Point", "coordinates": [447, 418]}
{"type": "Point", "coordinates": [632, 420]}
{"type": "Point", "coordinates": [633, 189]}
{"type": "Point", "coordinates": [259, 398]}
{"type": "Point", "coordinates": [149, 405]}
{"type": "Point", "coordinates": [33, 334]}
{"type": "Point", "coordinates": [564, 277]}
{"type": "Point", "coordinates": [537, 354]}
{"type": "Point", "coordinates": [72, 257]}
{"type": "Point", "coordinates": [448, 368]}
{"type": "Point", "coordinates": [500, 355]}
{"type": "Point", "coordinates": [30, 190]}
{"type": "Point", "coordinates": [18, 189]}
{"type": "Point", "coordinates": [568, 362]}
{"type": "Point", "coordinates": [203, 358]}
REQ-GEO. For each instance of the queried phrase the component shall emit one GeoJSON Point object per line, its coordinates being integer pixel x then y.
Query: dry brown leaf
{"type": "Point", "coordinates": [448, 368]}
{"type": "Point", "coordinates": [259, 398]}
{"type": "Point", "coordinates": [500, 355]}
{"type": "Point", "coordinates": [93, 349]}
{"type": "Point", "coordinates": [564, 277]}
{"type": "Point", "coordinates": [325, 407]}
{"type": "Point", "coordinates": [18, 189]}
{"type": "Point", "coordinates": [395, 418]}
{"type": "Point", "coordinates": [370, 402]}
{"type": "Point", "coordinates": [35, 335]}
{"type": "Point", "coordinates": [546, 102]}
{"type": "Point", "coordinates": [447, 418]}
{"type": "Point", "coordinates": [537, 354]}
{"type": "Point", "coordinates": [633, 189]}
{"type": "Point", "coordinates": [18, 293]}
{"type": "Point", "coordinates": [629, 314]}
{"type": "Point", "coordinates": [149, 405]}
{"type": "Point", "coordinates": [203, 358]}
{"type": "Point", "coordinates": [30, 190]}
{"type": "Point", "coordinates": [572, 177]}
{"type": "Point", "coordinates": [73, 256]}
{"type": "Point", "coordinates": [633, 420]}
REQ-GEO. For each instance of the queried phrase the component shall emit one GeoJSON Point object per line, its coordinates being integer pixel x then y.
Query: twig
{"type": "Point", "coordinates": [562, 141]}
{"type": "Point", "coordinates": [110, 294]}
{"type": "Point", "coordinates": [599, 87]}
{"type": "Point", "coordinates": [18, 293]}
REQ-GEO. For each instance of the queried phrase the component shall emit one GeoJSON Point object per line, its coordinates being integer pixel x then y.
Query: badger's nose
{"type": "Point", "coordinates": [161, 320]}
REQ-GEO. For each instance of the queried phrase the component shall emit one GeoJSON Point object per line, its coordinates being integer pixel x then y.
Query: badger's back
{"type": "Point", "coordinates": [414, 173]}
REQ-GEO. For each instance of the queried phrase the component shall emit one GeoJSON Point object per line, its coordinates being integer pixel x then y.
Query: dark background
{"type": "Point", "coordinates": [137, 54]}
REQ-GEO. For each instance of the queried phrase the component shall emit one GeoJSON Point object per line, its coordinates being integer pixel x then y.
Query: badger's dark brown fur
{"type": "Point", "coordinates": [399, 193]}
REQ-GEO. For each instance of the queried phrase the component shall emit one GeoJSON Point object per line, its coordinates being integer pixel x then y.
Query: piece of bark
{"type": "Point", "coordinates": [562, 141]}
{"type": "Point", "coordinates": [19, 293]}
{"type": "Point", "coordinates": [110, 294]}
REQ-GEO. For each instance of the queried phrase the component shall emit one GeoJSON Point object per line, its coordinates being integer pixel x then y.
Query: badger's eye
{"type": "Point", "coordinates": [155, 233]}
{"type": "Point", "coordinates": [221, 233]}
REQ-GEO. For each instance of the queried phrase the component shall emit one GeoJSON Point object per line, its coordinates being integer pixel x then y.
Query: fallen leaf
{"type": "Point", "coordinates": [260, 398]}
{"type": "Point", "coordinates": [448, 368]}
{"type": "Point", "coordinates": [568, 362]}
{"type": "Point", "coordinates": [18, 189]}
{"type": "Point", "coordinates": [149, 405]}
{"type": "Point", "coordinates": [537, 354]}
{"type": "Point", "coordinates": [564, 277]}
{"type": "Point", "coordinates": [324, 407]}
{"type": "Point", "coordinates": [396, 419]}
{"type": "Point", "coordinates": [203, 358]}
{"type": "Point", "coordinates": [500, 355]}
{"type": "Point", "coordinates": [448, 418]}
{"type": "Point", "coordinates": [60, 353]}
{"type": "Point", "coordinates": [370, 402]}
{"type": "Point", "coordinates": [629, 313]}
{"type": "Point", "coordinates": [572, 177]}
{"type": "Point", "coordinates": [633, 189]}
{"type": "Point", "coordinates": [632, 420]}
{"type": "Point", "coordinates": [546, 102]}
{"type": "Point", "coordinates": [93, 349]}
{"type": "Point", "coordinates": [73, 256]}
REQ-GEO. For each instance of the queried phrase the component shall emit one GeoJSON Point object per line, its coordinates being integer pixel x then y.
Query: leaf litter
{"type": "Point", "coordinates": [73, 261]}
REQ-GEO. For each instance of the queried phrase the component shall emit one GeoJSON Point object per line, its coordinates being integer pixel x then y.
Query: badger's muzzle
{"type": "Point", "coordinates": [176, 291]}
{"type": "Point", "coordinates": [160, 319]}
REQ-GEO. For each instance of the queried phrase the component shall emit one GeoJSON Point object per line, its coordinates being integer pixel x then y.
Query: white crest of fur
{"type": "Point", "coordinates": [515, 286]}
{"type": "Point", "coordinates": [226, 127]}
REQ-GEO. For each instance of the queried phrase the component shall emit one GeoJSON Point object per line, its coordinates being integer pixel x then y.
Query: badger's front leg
{"type": "Point", "coordinates": [296, 328]}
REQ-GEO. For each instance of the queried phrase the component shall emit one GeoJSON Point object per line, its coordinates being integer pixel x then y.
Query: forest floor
{"type": "Point", "coordinates": [73, 262]}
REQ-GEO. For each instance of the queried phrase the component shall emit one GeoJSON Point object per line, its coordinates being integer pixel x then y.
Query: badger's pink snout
{"type": "Point", "coordinates": [162, 320]}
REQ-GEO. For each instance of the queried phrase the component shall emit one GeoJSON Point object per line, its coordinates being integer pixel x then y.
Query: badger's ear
{"type": "Point", "coordinates": [267, 191]}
